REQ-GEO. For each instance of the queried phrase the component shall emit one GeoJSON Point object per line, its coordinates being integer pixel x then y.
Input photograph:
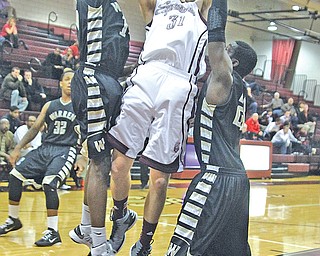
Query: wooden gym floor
{"type": "Point", "coordinates": [284, 219]}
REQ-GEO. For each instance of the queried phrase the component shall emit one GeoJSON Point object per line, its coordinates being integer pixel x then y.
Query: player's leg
{"type": "Point", "coordinates": [81, 234]}
{"type": "Point", "coordinates": [60, 162]}
{"type": "Point", "coordinates": [152, 210]}
{"type": "Point", "coordinates": [22, 172]}
{"type": "Point", "coordinates": [96, 194]}
{"type": "Point", "coordinates": [123, 218]}
{"type": "Point", "coordinates": [15, 191]}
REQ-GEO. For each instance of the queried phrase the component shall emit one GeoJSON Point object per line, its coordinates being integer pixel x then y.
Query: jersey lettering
{"type": "Point", "coordinates": [176, 20]}
{"type": "Point", "coordinates": [173, 249]}
{"type": "Point", "coordinates": [99, 145]}
{"type": "Point", "coordinates": [239, 117]}
{"type": "Point", "coordinates": [60, 127]}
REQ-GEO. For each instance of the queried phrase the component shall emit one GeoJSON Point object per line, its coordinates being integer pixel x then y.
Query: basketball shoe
{"type": "Point", "coordinates": [138, 250]}
{"type": "Point", "coordinates": [78, 237]}
{"type": "Point", "coordinates": [102, 250]}
{"type": "Point", "coordinates": [50, 238]}
{"type": "Point", "coordinates": [11, 224]}
{"type": "Point", "coordinates": [120, 227]}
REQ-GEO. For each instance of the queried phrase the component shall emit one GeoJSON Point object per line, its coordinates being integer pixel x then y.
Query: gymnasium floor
{"type": "Point", "coordinates": [284, 219]}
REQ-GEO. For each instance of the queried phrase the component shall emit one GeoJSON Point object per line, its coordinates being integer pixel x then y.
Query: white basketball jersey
{"type": "Point", "coordinates": [177, 35]}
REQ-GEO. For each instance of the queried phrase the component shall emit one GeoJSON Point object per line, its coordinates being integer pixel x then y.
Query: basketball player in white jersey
{"type": "Point", "coordinates": [158, 102]}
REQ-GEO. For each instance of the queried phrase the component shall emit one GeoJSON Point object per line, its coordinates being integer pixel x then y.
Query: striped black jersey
{"type": "Point", "coordinates": [217, 128]}
{"type": "Point", "coordinates": [103, 35]}
{"type": "Point", "coordinates": [60, 123]}
{"type": "Point", "coordinates": [177, 36]}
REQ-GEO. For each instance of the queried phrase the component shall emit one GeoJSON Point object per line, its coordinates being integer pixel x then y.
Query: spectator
{"type": "Point", "coordinates": [306, 121]}
{"type": "Point", "coordinates": [68, 60]}
{"type": "Point", "coordinates": [286, 117]}
{"type": "Point", "coordinates": [6, 142]}
{"type": "Point", "coordinates": [283, 139]}
{"type": "Point", "coordinates": [276, 104]}
{"type": "Point", "coordinates": [35, 92]}
{"type": "Point", "coordinates": [252, 105]}
{"type": "Point", "coordinates": [12, 90]}
{"type": "Point", "coordinates": [272, 129]}
{"type": "Point", "coordinates": [265, 118]}
{"type": "Point", "coordinates": [53, 64]}
{"type": "Point", "coordinates": [10, 32]}
{"type": "Point", "coordinates": [21, 131]}
{"type": "Point", "coordinates": [13, 118]}
{"type": "Point", "coordinates": [253, 127]}
{"type": "Point", "coordinates": [289, 106]}
{"type": "Point", "coordinates": [75, 50]}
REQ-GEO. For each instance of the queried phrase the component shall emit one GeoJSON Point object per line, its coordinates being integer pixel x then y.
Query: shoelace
{"type": "Point", "coordinates": [47, 233]}
{"type": "Point", "coordinates": [8, 222]}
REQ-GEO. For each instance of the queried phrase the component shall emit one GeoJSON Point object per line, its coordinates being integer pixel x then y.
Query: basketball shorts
{"type": "Point", "coordinates": [48, 164]}
{"type": "Point", "coordinates": [96, 99]}
{"type": "Point", "coordinates": [158, 104]}
{"type": "Point", "coordinates": [214, 217]}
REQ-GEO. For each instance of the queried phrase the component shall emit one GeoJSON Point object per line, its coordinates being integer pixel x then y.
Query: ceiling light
{"type": "Point", "coordinates": [296, 7]}
{"type": "Point", "coordinates": [272, 26]}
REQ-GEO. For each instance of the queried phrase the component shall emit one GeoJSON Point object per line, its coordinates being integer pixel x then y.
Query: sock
{"type": "Point", "coordinates": [147, 233]}
{"type": "Point", "coordinates": [120, 208]}
{"type": "Point", "coordinates": [98, 236]}
{"type": "Point", "coordinates": [53, 222]}
{"type": "Point", "coordinates": [85, 226]}
{"type": "Point", "coordinates": [14, 211]}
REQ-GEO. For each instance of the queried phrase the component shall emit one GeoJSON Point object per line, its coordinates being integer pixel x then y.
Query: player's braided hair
{"type": "Point", "coordinates": [247, 58]}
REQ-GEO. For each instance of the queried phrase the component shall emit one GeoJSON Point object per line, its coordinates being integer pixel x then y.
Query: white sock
{"type": "Point", "coordinates": [53, 222]}
{"type": "Point", "coordinates": [98, 236]}
{"type": "Point", "coordinates": [14, 211]}
{"type": "Point", "coordinates": [85, 226]}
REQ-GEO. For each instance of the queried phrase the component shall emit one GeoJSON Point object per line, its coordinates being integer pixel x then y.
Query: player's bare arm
{"type": "Point", "coordinates": [30, 135]}
{"type": "Point", "coordinates": [204, 6]}
{"type": "Point", "coordinates": [220, 79]}
{"type": "Point", "coordinates": [147, 9]}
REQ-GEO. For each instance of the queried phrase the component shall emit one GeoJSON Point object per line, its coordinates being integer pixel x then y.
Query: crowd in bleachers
{"type": "Point", "coordinates": [289, 126]}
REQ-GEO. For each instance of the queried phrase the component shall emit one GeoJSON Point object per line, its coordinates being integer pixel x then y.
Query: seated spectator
{"type": "Point", "coordinates": [272, 129]}
{"type": "Point", "coordinates": [305, 146]}
{"type": "Point", "coordinates": [286, 117]}
{"type": "Point", "coordinates": [275, 104]}
{"type": "Point", "coordinates": [300, 107]}
{"type": "Point", "coordinates": [12, 90]}
{"type": "Point", "coordinates": [253, 127]}
{"type": "Point", "coordinates": [265, 118]}
{"type": "Point", "coordinates": [53, 64]}
{"type": "Point", "coordinates": [35, 92]}
{"type": "Point", "coordinates": [9, 32]}
{"type": "Point", "coordinates": [13, 118]}
{"type": "Point", "coordinates": [283, 139]}
{"type": "Point", "coordinates": [7, 10]}
{"type": "Point", "coordinates": [75, 50]}
{"type": "Point", "coordinates": [306, 121]}
{"type": "Point", "coordinates": [68, 60]}
{"type": "Point", "coordinates": [252, 105]}
{"type": "Point", "coordinates": [289, 106]}
{"type": "Point", "coordinates": [6, 142]}
{"type": "Point", "coordinates": [21, 131]}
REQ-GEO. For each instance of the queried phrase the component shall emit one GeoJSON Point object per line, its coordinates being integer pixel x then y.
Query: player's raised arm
{"type": "Point", "coordinates": [220, 79]}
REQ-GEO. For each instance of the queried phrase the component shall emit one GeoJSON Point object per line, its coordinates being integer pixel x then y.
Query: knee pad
{"type": "Point", "coordinates": [15, 188]}
{"type": "Point", "coordinates": [52, 199]}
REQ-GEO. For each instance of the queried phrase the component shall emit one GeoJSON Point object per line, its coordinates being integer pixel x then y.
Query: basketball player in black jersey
{"type": "Point", "coordinates": [49, 164]}
{"type": "Point", "coordinates": [104, 48]}
{"type": "Point", "coordinates": [215, 213]}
